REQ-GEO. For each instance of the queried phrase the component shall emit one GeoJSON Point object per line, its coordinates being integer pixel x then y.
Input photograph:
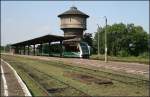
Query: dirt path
{"type": "Point", "coordinates": [133, 68]}
{"type": "Point", "coordinates": [13, 86]}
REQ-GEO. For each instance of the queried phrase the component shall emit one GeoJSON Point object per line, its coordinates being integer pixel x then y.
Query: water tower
{"type": "Point", "coordinates": [73, 23]}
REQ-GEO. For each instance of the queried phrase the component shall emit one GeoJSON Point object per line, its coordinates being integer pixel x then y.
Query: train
{"type": "Point", "coordinates": [80, 50]}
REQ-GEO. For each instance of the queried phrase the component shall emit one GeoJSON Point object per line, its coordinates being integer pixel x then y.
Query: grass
{"type": "Point", "coordinates": [33, 86]}
{"type": "Point", "coordinates": [52, 77]}
{"type": "Point", "coordinates": [122, 59]}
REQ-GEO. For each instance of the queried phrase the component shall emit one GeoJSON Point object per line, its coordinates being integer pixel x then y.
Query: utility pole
{"type": "Point", "coordinates": [105, 38]}
{"type": "Point", "coordinates": [98, 40]}
{"type": "Point", "coordinates": [4, 50]}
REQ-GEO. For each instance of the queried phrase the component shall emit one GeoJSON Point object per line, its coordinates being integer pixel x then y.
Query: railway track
{"type": "Point", "coordinates": [137, 81]}
{"type": "Point", "coordinates": [51, 77]}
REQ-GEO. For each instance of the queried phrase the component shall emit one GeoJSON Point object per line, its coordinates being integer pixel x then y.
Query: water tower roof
{"type": "Point", "coordinates": [73, 11]}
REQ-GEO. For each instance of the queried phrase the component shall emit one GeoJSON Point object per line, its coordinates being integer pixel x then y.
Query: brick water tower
{"type": "Point", "coordinates": [73, 23]}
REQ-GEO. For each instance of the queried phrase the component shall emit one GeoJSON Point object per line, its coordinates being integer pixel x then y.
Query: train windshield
{"type": "Point", "coordinates": [84, 48]}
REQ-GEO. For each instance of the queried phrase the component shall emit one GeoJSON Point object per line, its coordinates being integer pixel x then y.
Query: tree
{"type": "Point", "coordinates": [123, 39]}
{"type": "Point", "coordinates": [87, 37]}
{"type": "Point", "coordinates": [2, 48]}
{"type": "Point", "coordinates": [7, 48]}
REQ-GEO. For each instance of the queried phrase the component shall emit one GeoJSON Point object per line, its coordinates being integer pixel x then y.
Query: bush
{"type": "Point", "coordinates": [144, 55]}
{"type": "Point", "coordinates": [123, 53]}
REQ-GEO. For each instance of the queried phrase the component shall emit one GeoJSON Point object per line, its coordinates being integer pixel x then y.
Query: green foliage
{"type": "Point", "coordinates": [140, 59]}
{"type": "Point", "coordinates": [122, 39]}
{"type": "Point", "coordinates": [144, 55]}
{"type": "Point", "coordinates": [123, 53]}
{"type": "Point", "coordinates": [87, 37]}
{"type": "Point", "coordinates": [2, 48]}
{"type": "Point", "coordinates": [5, 48]}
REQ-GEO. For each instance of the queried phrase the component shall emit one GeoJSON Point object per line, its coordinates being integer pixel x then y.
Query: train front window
{"type": "Point", "coordinates": [84, 47]}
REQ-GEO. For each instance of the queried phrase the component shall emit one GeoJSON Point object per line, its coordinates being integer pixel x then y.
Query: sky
{"type": "Point", "coordinates": [23, 20]}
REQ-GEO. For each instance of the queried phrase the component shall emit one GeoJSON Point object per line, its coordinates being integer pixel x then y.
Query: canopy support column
{"type": "Point", "coordinates": [24, 50]}
{"type": "Point", "coordinates": [34, 49]}
{"type": "Point", "coordinates": [20, 50]}
{"type": "Point", "coordinates": [41, 49]}
{"type": "Point", "coordinates": [61, 49]}
{"type": "Point", "coordinates": [16, 49]}
{"type": "Point", "coordinates": [49, 43]}
{"type": "Point", "coordinates": [28, 50]}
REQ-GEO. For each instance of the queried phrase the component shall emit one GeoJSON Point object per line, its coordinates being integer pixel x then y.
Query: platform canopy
{"type": "Point", "coordinates": [43, 39]}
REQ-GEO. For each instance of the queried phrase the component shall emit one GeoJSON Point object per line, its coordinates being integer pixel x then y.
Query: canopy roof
{"type": "Point", "coordinates": [73, 11]}
{"type": "Point", "coordinates": [43, 39]}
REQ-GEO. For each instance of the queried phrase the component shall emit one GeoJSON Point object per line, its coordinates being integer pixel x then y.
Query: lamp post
{"type": "Point", "coordinates": [105, 38]}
